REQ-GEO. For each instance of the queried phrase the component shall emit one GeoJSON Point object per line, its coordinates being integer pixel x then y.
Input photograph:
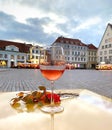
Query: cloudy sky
{"type": "Point", "coordinates": [42, 21]}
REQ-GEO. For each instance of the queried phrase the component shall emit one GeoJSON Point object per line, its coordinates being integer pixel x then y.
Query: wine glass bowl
{"type": "Point", "coordinates": [52, 66]}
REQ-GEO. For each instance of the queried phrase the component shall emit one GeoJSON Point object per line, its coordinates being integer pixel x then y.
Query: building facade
{"type": "Point", "coordinates": [77, 53]}
{"type": "Point", "coordinates": [105, 47]}
{"type": "Point", "coordinates": [11, 53]}
{"type": "Point", "coordinates": [34, 54]}
{"type": "Point", "coordinates": [92, 56]}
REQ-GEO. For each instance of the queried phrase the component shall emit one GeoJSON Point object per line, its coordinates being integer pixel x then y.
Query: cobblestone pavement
{"type": "Point", "coordinates": [29, 79]}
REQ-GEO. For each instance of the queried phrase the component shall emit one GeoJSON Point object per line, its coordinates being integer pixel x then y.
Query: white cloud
{"type": "Point", "coordinates": [21, 13]}
{"type": "Point", "coordinates": [70, 18]}
{"type": "Point", "coordinates": [51, 28]}
{"type": "Point", "coordinates": [88, 23]}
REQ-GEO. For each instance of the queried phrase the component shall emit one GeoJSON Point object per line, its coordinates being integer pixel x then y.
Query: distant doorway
{"type": "Point", "coordinates": [12, 64]}
{"type": "Point", "coordinates": [92, 66]}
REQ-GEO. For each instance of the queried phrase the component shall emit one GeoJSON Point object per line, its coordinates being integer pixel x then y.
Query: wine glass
{"type": "Point", "coordinates": [52, 66]}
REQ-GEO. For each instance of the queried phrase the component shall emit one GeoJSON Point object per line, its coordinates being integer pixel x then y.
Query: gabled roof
{"type": "Point", "coordinates": [69, 41]}
{"type": "Point", "coordinates": [22, 46]}
{"type": "Point", "coordinates": [104, 33]}
{"type": "Point", "coordinates": [91, 46]}
{"type": "Point", "coordinates": [110, 25]}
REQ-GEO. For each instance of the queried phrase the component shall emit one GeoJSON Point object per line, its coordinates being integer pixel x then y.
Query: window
{"type": "Point", "coordinates": [78, 53]}
{"type": "Point", "coordinates": [72, 52]}
{"type": "Point", "coordinates": [18, 57]}
{"type": "Point", "coordinates": [33, 57]}
{"type": "Point", "coordinates": [105, 58]}
{"type": "Point", "coordinates": [105, 52]}
{"type": "Point", "coordinates": [12, 57]}
{"type": "Point", "coordinates": [106, 46]}
{"type": "Point", "coordinates": [109, 45]}
{"type": "Point", "coordinates": [28, 57]}
{"type": "Point", "coordinates": [22, 57]}
{"type": "Point", "coordinates": [110, 59]}
{"type": "Point", "coordinates": [94, 53]}
{"type": "Point", "coordinates": [36, 51]}
{"type": "Point", "coordinates": [12, 49]}
{"type": "Point", "coordinates": [1, 55]}
{"type": "Point", "coordinates": [91, 53]}
{"type": "Point", "coordinates": [100, 59]}
{"type": "Point", "coordinates": [36, 57]}
{"type": "Point", "coordinates": [81, 59]}
{"type": "Point", "coordinates": [5, 56]}
{"type": "Point", "coordinates": [102, 47]}
{"type": "Point", "coordinates": [75, 53]}
{"type": "Point", "coordinates": [110, 51]}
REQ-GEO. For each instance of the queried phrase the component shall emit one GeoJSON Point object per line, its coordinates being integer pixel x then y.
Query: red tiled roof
{"type": "Point", "coordinates": [69, 41]}
{"type": "Point", "coordinates": [91, 46]}
{"type": "Point", "coordinates": [22, 46]}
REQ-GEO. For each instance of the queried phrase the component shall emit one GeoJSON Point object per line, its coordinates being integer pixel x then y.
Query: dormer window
{"type": "Point", "coordinates": [11, 48]}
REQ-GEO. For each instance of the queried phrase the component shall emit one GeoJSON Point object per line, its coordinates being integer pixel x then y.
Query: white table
{"type": "Point", "coordinates": [88, 111]}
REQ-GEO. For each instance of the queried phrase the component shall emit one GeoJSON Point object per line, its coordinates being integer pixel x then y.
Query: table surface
{"type": "Point", "coordinates": [88, 111]}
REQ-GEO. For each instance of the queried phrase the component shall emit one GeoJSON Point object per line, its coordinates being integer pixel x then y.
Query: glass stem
{"type": "Point", "coordinates": [52, 91]}
{"type": "Point", "coordinates": [52, 121]}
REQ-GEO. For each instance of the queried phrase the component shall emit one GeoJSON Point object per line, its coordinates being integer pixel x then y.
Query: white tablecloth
{"type": "Point", "coordinates": [88, 111]}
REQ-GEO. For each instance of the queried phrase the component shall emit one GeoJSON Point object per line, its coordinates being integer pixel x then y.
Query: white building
{"type": "Point", "coordinates": [75, 51]}
{"type": "Point", "coordinates": [11, 53]}
{"type": "Point", "coordinates": [105, 47]}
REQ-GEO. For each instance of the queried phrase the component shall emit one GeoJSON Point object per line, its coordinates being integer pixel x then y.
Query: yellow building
{"type": "Point", "coordinates": [34, 54]}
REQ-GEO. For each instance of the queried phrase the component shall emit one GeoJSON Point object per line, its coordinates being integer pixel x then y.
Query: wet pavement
{"type": "Point", "coordinates": [29, 79]}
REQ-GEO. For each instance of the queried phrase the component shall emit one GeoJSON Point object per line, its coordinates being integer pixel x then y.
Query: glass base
{"type": "Point", "coordinates": [52, 109]}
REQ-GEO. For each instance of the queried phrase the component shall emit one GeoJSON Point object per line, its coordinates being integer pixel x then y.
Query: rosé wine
{"type": "Point", "coordinates": [52, 74]}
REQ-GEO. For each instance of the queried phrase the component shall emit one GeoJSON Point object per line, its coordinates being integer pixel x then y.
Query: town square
{"type": "Point", "coordinates": [30, 79]}
{"type": "Point", "coordinates": [55, 65]}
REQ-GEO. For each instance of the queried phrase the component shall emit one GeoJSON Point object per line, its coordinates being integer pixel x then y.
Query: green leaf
{"type": "Point", "coordinates": [40, 104]}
